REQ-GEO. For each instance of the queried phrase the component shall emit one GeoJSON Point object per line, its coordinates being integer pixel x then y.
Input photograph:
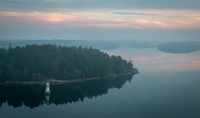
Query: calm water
{"type": "Point", "coordinates": [168, 86]}
{"type": "Point", "coordinates": [147, 95]}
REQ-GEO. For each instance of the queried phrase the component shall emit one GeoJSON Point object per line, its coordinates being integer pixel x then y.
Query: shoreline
{"type": "Point", "coordinates": [54, 81]}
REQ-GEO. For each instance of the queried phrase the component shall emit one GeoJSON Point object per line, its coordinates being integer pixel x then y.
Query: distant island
{"type": "Point", "coordinates": [97, 44]}
{"type": "Point", "coordinates": [180, 47]}
{"type": "Point", "coordinates": [37, 63]}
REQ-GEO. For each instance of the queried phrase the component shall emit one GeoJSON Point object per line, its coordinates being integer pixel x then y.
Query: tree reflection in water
{"type": "Point", "coordinates": [33, 95]}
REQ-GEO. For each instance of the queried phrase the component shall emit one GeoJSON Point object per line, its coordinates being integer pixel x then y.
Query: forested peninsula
{"type": "Point", "coordinates": [36, 63]}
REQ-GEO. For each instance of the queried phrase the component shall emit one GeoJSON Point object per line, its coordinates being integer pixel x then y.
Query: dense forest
{"type": "Point", "coordinates": [180, 47]}
{"type": "Point", "coordinates": [43, 62]}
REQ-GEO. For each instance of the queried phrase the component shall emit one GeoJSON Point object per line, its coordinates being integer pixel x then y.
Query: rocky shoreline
{"type": "Point", "coordinates": [54, 81]}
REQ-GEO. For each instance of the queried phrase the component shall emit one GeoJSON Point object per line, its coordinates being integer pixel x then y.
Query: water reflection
{"type": "Point", "coordinates": [34, 95]}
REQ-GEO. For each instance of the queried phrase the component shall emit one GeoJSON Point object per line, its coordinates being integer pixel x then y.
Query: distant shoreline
{"type": "Point", "coordinates": [179, 47]}
{"type": "Point", "coordinates": [54, 81]}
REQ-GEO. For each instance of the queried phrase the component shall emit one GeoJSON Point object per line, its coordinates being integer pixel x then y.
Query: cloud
{"type": "Point", "coordinates": [41, 16]}
{"type": "Point", "coordinates": [137, 14]}
{"type": "Point", "coordinates": [146, 19]}
{"type": "Point", "coordinates": [133, 24]}
{"type": "Point", "coordinates": [140, 14]}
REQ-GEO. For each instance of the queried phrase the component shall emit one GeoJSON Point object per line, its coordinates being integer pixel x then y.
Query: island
{"type": "Point", "coordinates": [47, 62]}
{"type": "Point", "coordinates": [180, 47]}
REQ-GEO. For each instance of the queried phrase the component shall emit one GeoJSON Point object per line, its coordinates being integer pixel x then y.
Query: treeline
{"type": "Point", "coordinates": [42, 62]}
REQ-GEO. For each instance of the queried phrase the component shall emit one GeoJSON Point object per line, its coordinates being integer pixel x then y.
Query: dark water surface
{"type": "Point", "coordinates": [145, 95]}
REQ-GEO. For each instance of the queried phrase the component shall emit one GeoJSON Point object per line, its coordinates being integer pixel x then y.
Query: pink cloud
{"type": "Point", "coordinates": [138, 24]}
{"type": "Point", "coordinates": [111, 25]}
{"type": "Point", "coordinates": [150, 23]}
{"type": "Point", "coordinates": [41, 16]}
{"type": "Point", "coordinates": [167, 19]}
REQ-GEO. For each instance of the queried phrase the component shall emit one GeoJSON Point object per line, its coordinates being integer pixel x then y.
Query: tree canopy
{"type": "Point", "coordinates": [41, 62]}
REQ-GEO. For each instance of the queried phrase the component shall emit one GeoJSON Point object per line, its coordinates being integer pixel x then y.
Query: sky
{"type": "Point", "coordinates": [162, 20]}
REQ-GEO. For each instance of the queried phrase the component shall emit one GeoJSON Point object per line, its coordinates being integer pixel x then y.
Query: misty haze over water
{"type": "Point", "coordinates": [147, 55]}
